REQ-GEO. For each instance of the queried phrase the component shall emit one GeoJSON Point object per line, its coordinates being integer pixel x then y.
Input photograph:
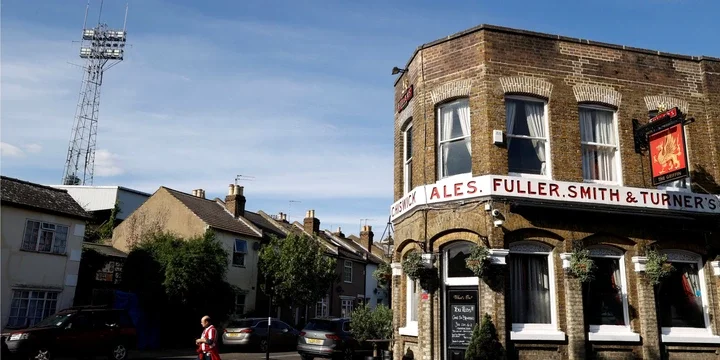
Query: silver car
{"type": "Point", "coordinates": [329, 338]}
{"type": "Point", "coordinates": [253, 333]}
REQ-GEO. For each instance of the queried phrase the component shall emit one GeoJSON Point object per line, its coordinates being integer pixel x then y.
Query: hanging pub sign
{"type": "Point", "coordinates": [407, 95]}
{"type": "Point", "coordinates": [668, 158]}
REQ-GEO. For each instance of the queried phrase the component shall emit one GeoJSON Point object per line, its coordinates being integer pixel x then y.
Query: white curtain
{"type": "Point", "coordinates": [509, 119]}
{"type": "Point", "coordinates": [536, 125]}
{"type": "Point", "coordinates": [447, 127]}
{"type": "Point", "coordinates": [597, 126]}
{"type": "Point", "coordinates": [464, 114]}
{"type": "Point", "coordinates": [530, 289]}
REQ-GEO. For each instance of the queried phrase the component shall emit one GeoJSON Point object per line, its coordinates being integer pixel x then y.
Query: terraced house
{"type": "Point", "coordinates": [538, 147]}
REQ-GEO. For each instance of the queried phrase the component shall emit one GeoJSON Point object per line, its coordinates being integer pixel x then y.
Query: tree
{"type": "Point", "coordinates": [484, 343]}
{"type": "Point", "coordinates": [297, 270]}
{"type": "Point", "coordinates": [367, 323]}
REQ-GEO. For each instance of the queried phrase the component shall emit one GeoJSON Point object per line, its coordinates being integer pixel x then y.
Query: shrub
{"type": "Point", "coordinates": [484, 343]}
{"type": "Point", "coordinates": [367, 323]}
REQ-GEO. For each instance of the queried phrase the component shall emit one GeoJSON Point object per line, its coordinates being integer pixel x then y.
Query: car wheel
{"type": "Point", "coordinates": [118, 352]}
{"type": "Point", "coordinates": [263, 345]}
{"type": "Point", "coordinates": [40, 354]}
{"type": "Point", "coordinates": [348, 354]}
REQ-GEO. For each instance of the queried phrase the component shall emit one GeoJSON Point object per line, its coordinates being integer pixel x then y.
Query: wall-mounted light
{"type": "Point", "coordinates": [396, 70]}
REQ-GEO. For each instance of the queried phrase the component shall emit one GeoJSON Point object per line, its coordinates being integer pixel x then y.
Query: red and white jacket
{"type": "Point", "coordinates": [210, 333]}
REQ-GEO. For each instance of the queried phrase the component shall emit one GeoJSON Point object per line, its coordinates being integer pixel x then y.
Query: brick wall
{"type": "Point", "coordinates": [484, 65]}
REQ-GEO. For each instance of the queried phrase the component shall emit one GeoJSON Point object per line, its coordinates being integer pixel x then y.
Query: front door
{"type": "Point", "coordinates": [461, 311]}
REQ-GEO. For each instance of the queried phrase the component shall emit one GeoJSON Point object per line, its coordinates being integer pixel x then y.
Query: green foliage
{"type": "Point", "coordinates": [412, 265]}
{"type": "Point", "coordinates": [104, 230]}
{"type": "Point", "coordinates": [478, 260]}
{"type": "Point", "coordinates": [484, 343]}
{"type": "Point", "coordinates": [657, 267]}
{"type": "Point", "coordinates": [297, 270]}
{"type": "Point", "coordinates": [383, 274]}
{"type": "Point", "coordinates": [582, 265]}
{"type": "Point", "coordinates": [370, 324]}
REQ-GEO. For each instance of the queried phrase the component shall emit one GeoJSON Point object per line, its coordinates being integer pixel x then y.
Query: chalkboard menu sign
{"type": "Point", "coordinates": [462, 317]}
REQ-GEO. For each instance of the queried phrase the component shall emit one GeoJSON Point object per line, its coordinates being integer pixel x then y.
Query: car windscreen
{"type": "Point", "coordinates": [241, 324]}
{"type": "Point", "coordinates": [56, 320]}
{"type": "Point", "coordinates": [322, 325]}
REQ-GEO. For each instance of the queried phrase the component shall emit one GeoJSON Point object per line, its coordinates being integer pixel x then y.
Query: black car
{"type": "Point", "coordinates": [76, 332]}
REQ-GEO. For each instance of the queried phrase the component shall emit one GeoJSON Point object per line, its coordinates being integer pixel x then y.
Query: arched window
{"type": "Point", "coordinates": [455, 272]}
{"type": "Point", "coordinates": [527, 136]}
{"type": "Point", "coordinates": [454, 152]}
{"type": "Point", "coordinates": [407, 157]}
{"type": "Point", "coordinates": [532, 292]}
{"type": "Point", "coordinates": [600, 144]}
{"type": "Point", "coordinates": [605, 302]}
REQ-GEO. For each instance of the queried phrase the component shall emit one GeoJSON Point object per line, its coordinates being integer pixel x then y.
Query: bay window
{"type": "Point", "coordinates": [599, 139]}
{"type": "Point", "coordinates": [532, 292]}
{"type": "Point", "coordinates": [407, 159]}
{"type": "Point", "coordinates": [683, 303]}
{"type": "Point", "coordinates": [527, 136]}
{"type": "Point", "coordinates": [454, 152]}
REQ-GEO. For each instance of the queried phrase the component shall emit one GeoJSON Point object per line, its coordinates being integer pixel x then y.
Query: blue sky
{"type": "Point", "coordinates": [297, 94]}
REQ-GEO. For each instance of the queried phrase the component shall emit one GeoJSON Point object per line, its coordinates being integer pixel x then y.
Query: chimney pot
{"type": "Point", "coordinates": [202, 193]}
{"type": "Point", "coordinates": [231, 189]}
{"type": "Point", "coordinates": [194, 192]}
{"type": "Point", "coordinates": [238, 190]}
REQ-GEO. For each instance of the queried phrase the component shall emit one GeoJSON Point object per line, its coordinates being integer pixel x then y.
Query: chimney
{"type": "Point", "coordinates": [366, 237]}
{"type": "Point", "coordinates": [339, 233]}
{"type": "Point", "coordinates": [282, 217]}
{"type": "Point", "coordinates": [311, 223]}
{"type": "Point", "coordinates": [235, 200]}
{"type": "Point", "coordinates": [195, 192]}
{"type": "Point", "coordinates": [199, 193]}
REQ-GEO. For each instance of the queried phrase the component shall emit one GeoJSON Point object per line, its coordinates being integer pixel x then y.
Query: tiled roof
{"type": "Point", "coordinates": [25, 194]}
{"type": "Point", "coordinates": [105, 249]}
{"type": "Point", "coordinates": [265, 225]}
{"type": "Point", "coordinates": [215, 214]}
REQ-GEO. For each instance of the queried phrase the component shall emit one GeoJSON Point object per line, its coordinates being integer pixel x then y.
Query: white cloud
{"type": "Point", "coordinates": [107, 164]}
{"type": "Point", "coordinates": [9, 150]}
{"type": "Point", "coordinates": [33, 148]}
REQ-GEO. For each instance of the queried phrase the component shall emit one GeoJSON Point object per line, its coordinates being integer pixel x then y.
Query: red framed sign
{"type": "Point", "coordinates": [668, 156]}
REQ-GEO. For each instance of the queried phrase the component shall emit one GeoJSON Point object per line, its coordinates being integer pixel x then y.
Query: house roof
{"type": "Point", "coordinates": [264, 224]}
{"type": "Point", "coordinates": [38, 197]}
{"type": "Point", "coordinates": [107, 250]}
{"type": "Point", "coordinates": [215, 215]}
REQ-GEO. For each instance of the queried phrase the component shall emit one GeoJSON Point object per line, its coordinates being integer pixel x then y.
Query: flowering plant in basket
{"type": "Point", "coordinates": [582, 265]}
{"type": "Point", "coordinates": [657, 267]}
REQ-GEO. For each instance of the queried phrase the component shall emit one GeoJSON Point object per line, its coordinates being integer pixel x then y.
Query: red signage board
{"type": "Point", "coordinates": [405, 99]}
{"type": "Point", "coordinates": [671, 114]}
{"type": "Point", "coordinates": [668, 158]}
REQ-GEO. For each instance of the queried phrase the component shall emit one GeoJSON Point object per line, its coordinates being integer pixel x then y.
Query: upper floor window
{"type": "Point", "coordinates": [454, 138]}
{"type": "Point", "coordinates": [407, 158]}
{"type": "Point", "coordinates": [239, 252]}
{"type": "Point", "coordinates": [347, 271]}
{"type": "Point", "coordinates": [45, 237]}
{"type": "Point", "coordinates": [527, 136]}
{"type": "Point", "coordinates": [599, 139]}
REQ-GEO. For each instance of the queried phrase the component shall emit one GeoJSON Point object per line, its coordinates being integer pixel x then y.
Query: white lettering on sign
{"type": "Point", "coordinates": [507, 186]}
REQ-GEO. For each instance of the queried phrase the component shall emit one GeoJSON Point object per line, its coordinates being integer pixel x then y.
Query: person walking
{"type": "Point", "coordinates": [207, 343]}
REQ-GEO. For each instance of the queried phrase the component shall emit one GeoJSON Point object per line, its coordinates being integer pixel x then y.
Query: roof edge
{"type": "Point", "coordinates": [542, 35]}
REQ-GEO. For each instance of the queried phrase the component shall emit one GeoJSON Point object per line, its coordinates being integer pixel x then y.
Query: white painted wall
{"type": "Point", "coordinates": [243, 277]}
{"type": "Point", "coordinates": [94, 198]}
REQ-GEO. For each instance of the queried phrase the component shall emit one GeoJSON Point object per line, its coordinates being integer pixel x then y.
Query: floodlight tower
{"type": "Point", "coordinates": [102, 48]}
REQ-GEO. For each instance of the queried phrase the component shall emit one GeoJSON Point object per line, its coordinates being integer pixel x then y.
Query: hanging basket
{"type": "Point", "coordinates": [412, 265]}
{"type": "Point", "coordinates": [478, 260]}
{"type": "Point", "coordinates": [657, 268]}
{"type": "Point", "coordinates": [383, 274]}
{"type": "Point", "coordinates": [582, 265]}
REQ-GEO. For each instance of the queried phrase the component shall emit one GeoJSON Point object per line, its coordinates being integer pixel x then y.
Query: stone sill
{"type": "Point", "coordinates": [626, 336]}
{"type": "Point", "coordinates": [543, 335]}
{"type": "Point", "coordinates": [703, 338]}
{"type": "Point", "coordinates": [409, 330]}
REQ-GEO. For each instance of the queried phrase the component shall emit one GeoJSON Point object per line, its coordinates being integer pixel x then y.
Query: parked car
{"type": "Point", "coordinates": [253, 333]}
{"type": "Point", "coordinates": [76, 332]}
{"type": "Point", "coordinates": [329, 338]}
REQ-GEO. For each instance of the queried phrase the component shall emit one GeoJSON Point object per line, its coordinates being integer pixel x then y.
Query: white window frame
{"type": "Point", "coordinates": [407, 163]}
{"type": "Point", "coordinates": [44, 226]}
{"type": "Point", "coordinates": [548, 154]}
{"type": "Point", "coordinates": [613, 332]}
{"type": "Point", "coordinates": [345, 304]}
{"type": "Point", "coordinates": [348, 271]}
{"type": "Point", "coordinates": [438, 158]}
{"type": "Point", "coordinates": [235, 251]}
{"type": "Point", "coordinates": [322, 305]}
{"type": "Point", "coordinates": [46, 293]}
{"type": "Point", "coordinates": [678, 334]}
{"type": "Point", "coordinates": [618, 153]}
{"type": "Point", "coordinates": [411, 327]}
{"type": "Point", "coordinates": [545, 332]}
{"type": "Point", "coordinates": [456, 281]}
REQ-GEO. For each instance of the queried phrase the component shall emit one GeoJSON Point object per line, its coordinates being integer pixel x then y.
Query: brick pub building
{"type": "Point", "coordinates": [526, 144]}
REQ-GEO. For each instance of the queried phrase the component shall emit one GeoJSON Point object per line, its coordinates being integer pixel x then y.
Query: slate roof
{"type": "Point", "coordinates": [105, 249]}
{"type": "Point", "coordinates": [265, 225]}
{"type": "Point", "coordinates": [214, 214]}
{"type": "Point", "coordinates": [20, 193]}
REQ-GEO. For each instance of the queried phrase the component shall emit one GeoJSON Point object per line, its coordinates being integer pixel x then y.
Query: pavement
{"type": "Point", "coordinates": [224, 355]}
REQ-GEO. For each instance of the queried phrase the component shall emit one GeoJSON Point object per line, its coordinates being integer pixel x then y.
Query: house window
{"type": "Point", "coordinates": [240, 304]}
{"type": "Point", "coordinates": [527, 136]}
{"type": "Point", "coordinates": [598, 136]}
{"type": "Point", "coordinates": [407, 158]}
{"type": "Point", "coordinates": [346, 307]}
{"type": "Point", "coordinates": [239, 252]}
{"type": "Point", "coordinates": [454, 138]}
{"type": "Point", "coordinates": [532, 292]}
{"type": "Point", "coordinates": [682, 301]}
{"type": "Point", "coordinates": [321, 308]}
{"type": "Point", "coordinates": [605, 298]}
{"type": "Point", "coordinates": [29, 307]}
{"type": "Point", "coordinates": [45, 237]}
{"type": "Point", "coordinates": [411, 307]}
{"type": "Point", "coordinates": [110, 272]}
{"type": "Point", "coordinates": [347, 271]}
{"type": "Point", "coordinates": [456, 272]}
